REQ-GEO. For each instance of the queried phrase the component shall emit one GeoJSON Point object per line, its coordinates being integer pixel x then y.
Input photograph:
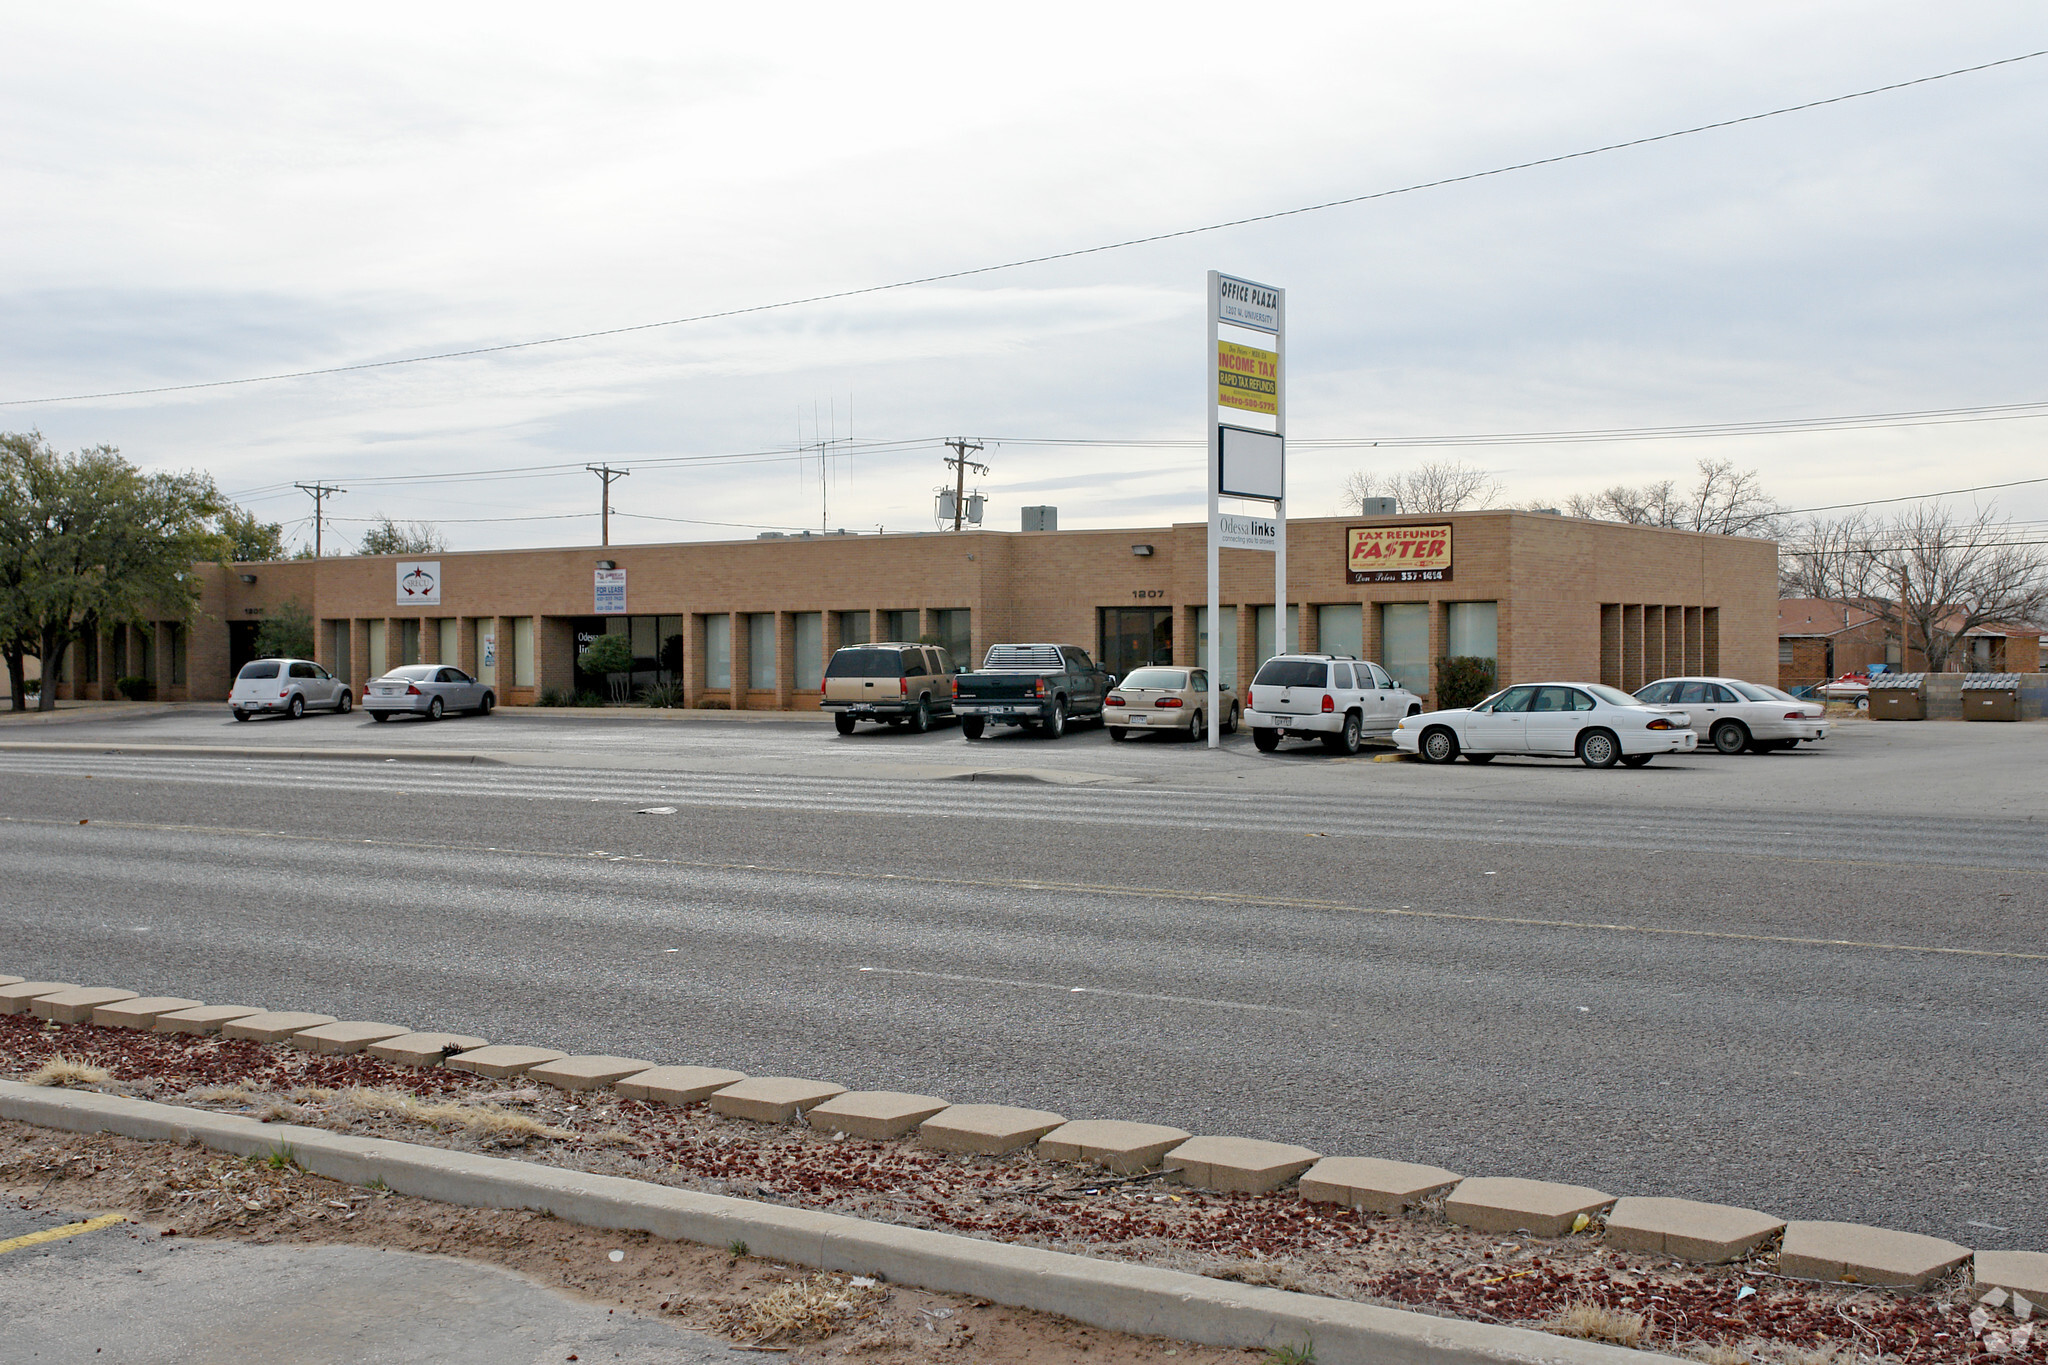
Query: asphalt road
{"type": "Point", "coordinates": [122, 1293]}
{"type": "Point", "coordinates": [1663, 982]}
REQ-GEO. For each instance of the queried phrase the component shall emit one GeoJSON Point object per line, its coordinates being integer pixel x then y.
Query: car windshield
{"type": "Point", "coordinates": [415, 672]}
{"type": "Point", "coordinates": [1164, 679]}
{"type": "Point", "coordinates": [262, 668]}
{"type": "Point", "coordinates": [1613, 696]}
{"type": "Point", "coordinates": [866, 663]}
{"type": "Point", "coordinates": [1752, 692]}
{"type": "Point", "coordinates": [1291, 673]}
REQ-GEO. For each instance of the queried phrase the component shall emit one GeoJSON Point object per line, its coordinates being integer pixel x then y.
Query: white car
{"type": "Point", "coordinates": [1735, 715]}
{"type": "Point", "coordinates": [1331, 697]}
{"type": "Point", "coordinates": [287, 687]}
{"type": "Point", "coordinates": [430, 690]}
{"type": "Point", "coordinates": [1598, 725]}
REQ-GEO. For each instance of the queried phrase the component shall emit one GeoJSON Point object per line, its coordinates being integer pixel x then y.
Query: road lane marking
{"type": "Point", "coordinates": [105, 1220]}
{"type": "Point", "coordinates": [1087, 888]}
{"type": "Point", "coordinates": [1094, 990]}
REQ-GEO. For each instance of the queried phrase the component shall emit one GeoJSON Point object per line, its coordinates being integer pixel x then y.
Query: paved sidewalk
{"type": "Point", "coordinates": [122, 1293]}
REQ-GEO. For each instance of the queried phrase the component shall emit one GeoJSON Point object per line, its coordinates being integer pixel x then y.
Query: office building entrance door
{"type": "Point", "coordinates": [1133, 637]}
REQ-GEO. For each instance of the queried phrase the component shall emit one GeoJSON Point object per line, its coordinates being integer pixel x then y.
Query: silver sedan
{"type": "Point", "coordinates": [430, 690]}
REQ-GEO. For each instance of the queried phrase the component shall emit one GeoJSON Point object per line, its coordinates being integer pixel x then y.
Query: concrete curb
{"type": "Point", "coordinates": [1105, 1294]}
{"type": "Point", "coordinates": [248, 751]}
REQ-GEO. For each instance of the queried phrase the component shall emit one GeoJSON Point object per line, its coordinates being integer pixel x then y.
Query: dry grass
{"type": "Point", "coordinates": [487, 1123]}
{"type": "Point", "coordinates": [1720, 1353]}
{"type": "Point", "coordinates": [1594, 1323]}
{"type": "Point", "coordinates": [62, 1071]}
{"type": "Point", "coordinates": [220, 1094]}
{"type": "Point", "coordinates": [802, 1310]}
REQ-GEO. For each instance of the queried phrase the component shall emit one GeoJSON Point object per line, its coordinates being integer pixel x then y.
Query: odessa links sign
{"type": "Point", "coordinates": [1244, 408]}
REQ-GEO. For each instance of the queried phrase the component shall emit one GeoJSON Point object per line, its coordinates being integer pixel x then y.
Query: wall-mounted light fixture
{"type": "Point", "coordinates": [1141, 551]}
{"type": "Point", "coordinates": [607, 564]}
{"type": "Point", "coordinates": [248, 578]}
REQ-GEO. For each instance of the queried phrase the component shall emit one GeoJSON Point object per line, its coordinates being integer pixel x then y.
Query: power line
{"type": "Point", "coordinates": [1072, 254]}
{"type": "Point", "coordinates": [319, 492]}
{"type": "Point", "coordinates": [608, 474]}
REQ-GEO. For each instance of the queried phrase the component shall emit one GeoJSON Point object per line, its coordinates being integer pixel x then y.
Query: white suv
{"type": "Point", "coordinates": [1331, 697]}
{"type": "Point", "coordinates": [288, 687]}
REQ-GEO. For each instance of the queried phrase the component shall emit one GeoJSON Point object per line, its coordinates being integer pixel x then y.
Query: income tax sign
{"type": "Point", "coordinates": [1398, 554]}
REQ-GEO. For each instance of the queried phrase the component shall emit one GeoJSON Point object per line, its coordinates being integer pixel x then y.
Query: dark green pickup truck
{"type": "Point", "coordinates": [1040, 687]}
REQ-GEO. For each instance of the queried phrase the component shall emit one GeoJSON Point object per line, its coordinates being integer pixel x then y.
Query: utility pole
{"type": "Point", "coordinates": [320, 493]}
{"type": "Point", "coordinates": [607, 473]}
{"type": "Point", "coordinates": [961, 464]}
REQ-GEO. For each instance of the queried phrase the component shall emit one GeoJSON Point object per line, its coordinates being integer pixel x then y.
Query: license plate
{"type": "Point", "coordinates": [1141, 720]}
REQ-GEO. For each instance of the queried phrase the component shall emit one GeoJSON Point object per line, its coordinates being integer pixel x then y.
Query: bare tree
{"type": "Point", "coordinates": [1725, 501]}
{"type": "Point", "coordinates": [390, 537]}
{"type": "Point", "coordinates": [1434, 486]}
{"type": "Point", "coordinates": [1932, 574]}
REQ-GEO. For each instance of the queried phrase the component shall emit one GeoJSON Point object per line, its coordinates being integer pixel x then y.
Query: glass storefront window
{"type": "Point", "coordinates": [718, 651]}
{"type": "Point", "coordinates": [451, 646]}
{"type": "Point", "coordinates": [809, 643]}
{"type": "Point", "coordinates": [522, 651]}
{"type": "Point", "coordinates": [1472, 630]}
{"type": "Point", "coordinates": [955, 629]}
{"type": "Point", "coordinates": [409, 641]}
{"type": "Point", "coordinates": [380, 646]}
{"type": "Point", "coordinates": [1340, 629]}
{"type": "Point", "coordinates": [1404, 644]}
{"type": "Point", "coordinates": [338, 649]}
{"type": "Point", "coordinates": [1265, 632]}
{"type": "Point", "coordinates": [761, 651]}
{"type": "Point", "coordinates": [853, 628]}
{"type": "Point", "coordinates": [1227, 670]}
{"type": "Point", "coordinates": [486, 631]}
{"type": "Point", "coordinates": [900, 626]}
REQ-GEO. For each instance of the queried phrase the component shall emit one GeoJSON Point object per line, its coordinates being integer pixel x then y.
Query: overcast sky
{"type": "Point", "coordinates": [210, 192]}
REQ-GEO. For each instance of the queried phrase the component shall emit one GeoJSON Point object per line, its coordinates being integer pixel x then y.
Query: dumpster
{"type": "Point", "coordinates": [1991, 696]}
{"type": "Point", "coordinates": [1898, 696]}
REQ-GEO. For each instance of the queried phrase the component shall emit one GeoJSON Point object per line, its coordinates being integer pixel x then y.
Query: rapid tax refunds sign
{"type": "Point", "coordinates": [1398, 554]}
{"type": "Point", "coordinates": [1247, 533]}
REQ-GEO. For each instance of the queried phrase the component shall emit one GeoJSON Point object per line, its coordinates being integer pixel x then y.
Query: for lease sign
{"type": "Point", "coordinates": [1398, 554]}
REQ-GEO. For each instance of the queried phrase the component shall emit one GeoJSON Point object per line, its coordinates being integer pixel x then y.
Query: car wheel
{"type": "Point", "coordinates": [971, 727]}
{"type": "Point", "coordinates": [434, 708]}
{"type": "Point", "coordinates": [1479, 758]}
{"type": "Point", "coordinates": [1198, 729]}
{"type": "Point", "coordinates": [1056, 723]}
{"type": "Point", "coordinates": [298, 707]}
{"type": "Point", "coordinates": [484, 707]}
{"type": "Point", "coordinates": [1730, 737]}
{"type": "Point", "coordinates": [345, 703]}
{"type": "Point", "coordinates": [1119, 733]}
{"type": "Point", "coordinates": [1345, 741]}
{"type": "Point", "coordinates": [843, 723]}
{"type": "Point", "coordinates": [380, 716]}
{"type": "Point", "coordinates": [1438, 745]}
{"type": "Point", "coordinates": [241, 714]}
{"type": "Point", "coordinates": [1230, 725]}
{"type": "Point", "coordinates": [1599, 749]}
{"type": "Point", "coordinates": [1265, 739]}
{"type": "Point", "coordinates": [1635, 760]}
{"type": "Point", "coordinates": [921, 723]}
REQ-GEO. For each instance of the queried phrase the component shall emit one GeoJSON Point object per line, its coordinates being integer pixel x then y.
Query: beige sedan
{"type": "Point", "coordinates": [1172, 699]}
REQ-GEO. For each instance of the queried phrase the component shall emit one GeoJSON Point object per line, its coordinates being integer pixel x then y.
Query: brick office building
{"type": "Point", "coordinates": [750, 623]}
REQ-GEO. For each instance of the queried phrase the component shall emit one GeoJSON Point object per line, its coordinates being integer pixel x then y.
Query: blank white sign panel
{"type": "Point", "coordinates": [1254, 465]}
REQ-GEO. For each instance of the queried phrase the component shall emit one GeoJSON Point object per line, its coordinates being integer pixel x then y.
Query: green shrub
{"type": "Point", "coordinates": [1462, 680]}
{"type": "Point", "coordinates": [552, 696]}
{"type": "Point", "coordinates": [607, 654]}
{"type": "Point", "coordinates": [591, 699]}
{"type": "Point", "coordinates": [662, 694]}
{"type": "Point", "coordinates": [32, 686]}
{"type": "Point", "coordinates": [713, 704]}
{"type": "Point", "coordinates": [135, 689]}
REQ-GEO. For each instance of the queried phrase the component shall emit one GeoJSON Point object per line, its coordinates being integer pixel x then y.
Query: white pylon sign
{"type": "Point", "coordinates": [1244, 371]}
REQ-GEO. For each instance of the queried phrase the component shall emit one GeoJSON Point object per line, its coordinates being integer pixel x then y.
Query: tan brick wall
{"type": "Point", "coordinates": [1552, 578]}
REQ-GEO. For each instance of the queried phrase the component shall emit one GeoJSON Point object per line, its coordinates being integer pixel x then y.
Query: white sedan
{"type": "Point", "coordinates": [1735, 715]}
{"type": "Point", "coordinates": [1598, 725]}
{"type": "Point", "coordinates": [430, 690]}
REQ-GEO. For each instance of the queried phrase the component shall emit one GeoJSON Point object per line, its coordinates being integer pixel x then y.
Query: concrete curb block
{"type": "Point", "coordinates": [248, 751]}
{"type": "Point", "coordinates": [1105, 1294]}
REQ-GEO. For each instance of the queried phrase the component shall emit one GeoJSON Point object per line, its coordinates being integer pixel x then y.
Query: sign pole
{"type": "Point", "coordinates": [1280, 503]}
{"type": "Point", "coordinates": [1215, 509]}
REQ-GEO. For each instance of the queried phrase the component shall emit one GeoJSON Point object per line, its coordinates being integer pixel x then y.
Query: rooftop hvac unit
{"type": "Point", "coordinates": [1041, 518]}
{"type": "Point", "coordinates": [1379, 507]}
